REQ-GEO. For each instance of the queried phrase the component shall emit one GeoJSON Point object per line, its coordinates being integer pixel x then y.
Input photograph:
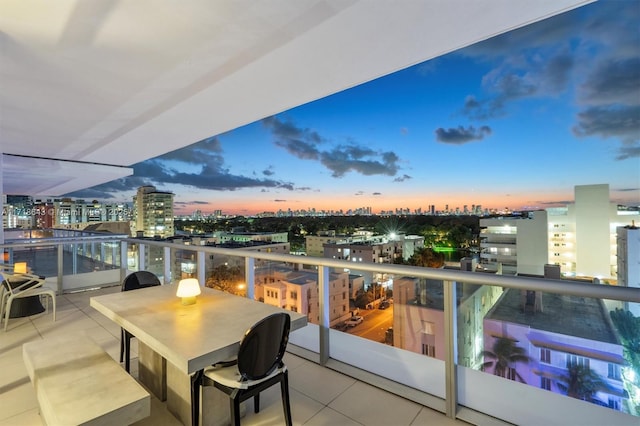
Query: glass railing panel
{"type": "Point", "coordinates": [367, 310]}
{"type": "Point", "coordinates": [401, 335]}
{"type": "Point", "coordinates": [565, 345]}
{"type": "Point", "coordinates": [41, 260]}
{"type": "Point", "coordinates": [146, 257]}
{"type": "Point", "coordinates": [522, 404]}
{"type": "Point", "coordinates": [410, 368]}
{"type": "Point", "coordinates": [626, 321]}
{"type": "Point", "coordinates": [287, 285]}
{"type": "Point", "coordinates": [225, 273]}
{"type": "Point", "coordinates": [473, 303]}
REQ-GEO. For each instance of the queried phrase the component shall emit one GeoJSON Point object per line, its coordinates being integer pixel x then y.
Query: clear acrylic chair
{"type": "Point", "coordinates": [257, 367]}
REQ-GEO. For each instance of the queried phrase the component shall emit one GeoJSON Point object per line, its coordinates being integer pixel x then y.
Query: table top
{"type": "Point", "coordinates": [191, 337]}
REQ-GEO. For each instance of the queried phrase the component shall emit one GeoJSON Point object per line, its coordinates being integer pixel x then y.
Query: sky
{"type": "Point", "coordinates": [513, 122]}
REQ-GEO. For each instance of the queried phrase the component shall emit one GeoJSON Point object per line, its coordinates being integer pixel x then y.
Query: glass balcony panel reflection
{"type": "Point", "coordinates": [226, 273]}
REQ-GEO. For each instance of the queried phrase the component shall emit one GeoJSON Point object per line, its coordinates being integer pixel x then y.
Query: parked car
{"type": "Point", "coordinates": [353, 321]}
{"type": "Point", "coordinates": [383, 305]}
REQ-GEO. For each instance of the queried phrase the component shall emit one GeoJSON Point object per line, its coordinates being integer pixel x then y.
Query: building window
{"type": "Point", "coordinates": [429, 350]}
{"type": "Point", "coordinates": [577, 360]}
{"type": "Point", "coordinates": [545, 383]}
{"type": "Point", "coordinates": [614, 371]}
{"type": "Point", "coordinates": [294, 295]}
{"type": "Point", "coordinates": [614, 403]}
{"type": "Point", "coordinates": [545, 355]}
{"type": "Point", "coordinates": [294, 308]}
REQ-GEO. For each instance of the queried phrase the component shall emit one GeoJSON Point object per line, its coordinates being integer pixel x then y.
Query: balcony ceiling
{"type": "Point", "coordinates": [88, 88]}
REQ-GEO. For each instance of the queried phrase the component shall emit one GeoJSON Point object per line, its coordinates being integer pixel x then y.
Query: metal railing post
{"type": "Point", "coordinates": [451, 341]}
{"type": "Point", "coordinates": [141, 257]}
{"type": "Point", "coordinates": [323, 288]}
{"type": "Point", "coordinates": [60, 261]}
{"type": "Point", "coordinates": [249, 276]}
{"type": "Point", "coordinates": [124, 260]}
{"type": "Point", "coordinates": [200, 263]}
{"type": "Point", "coordinates": [166, 264]}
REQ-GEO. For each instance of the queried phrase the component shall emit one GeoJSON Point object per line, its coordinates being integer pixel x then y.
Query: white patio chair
{"type": "Point", "coordinates": [32, 286]}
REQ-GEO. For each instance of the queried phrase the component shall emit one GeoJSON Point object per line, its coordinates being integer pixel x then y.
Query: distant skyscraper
{"type": "Point", "coordinates": [153, 212]}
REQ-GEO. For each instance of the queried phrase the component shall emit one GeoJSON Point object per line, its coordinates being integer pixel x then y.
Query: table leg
{"type": "Point", "coordinates": [152, 371]}
{"type": "Point", "coordinates": [214, 404]}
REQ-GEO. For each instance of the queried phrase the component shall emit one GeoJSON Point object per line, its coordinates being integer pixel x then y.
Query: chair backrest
{"type": "Point", "coordinates": [263, 346]}
{"type": "Point", "coordinates": [140, 279]}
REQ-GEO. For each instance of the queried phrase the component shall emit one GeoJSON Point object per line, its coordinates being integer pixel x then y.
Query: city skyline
{"type": "Point", "coordinates": [516, 121]}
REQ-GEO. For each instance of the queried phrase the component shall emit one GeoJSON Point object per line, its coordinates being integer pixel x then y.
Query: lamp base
{"type": "Point", "coordinates": [189, 300]}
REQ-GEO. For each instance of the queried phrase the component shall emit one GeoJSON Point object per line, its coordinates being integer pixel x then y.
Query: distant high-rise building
{"type": "Point", "coordinates": [153, 211]}
{"type": "Point", "coordinates": [582, 235]}
{"type": "Point", "coordinates": [628, 255]}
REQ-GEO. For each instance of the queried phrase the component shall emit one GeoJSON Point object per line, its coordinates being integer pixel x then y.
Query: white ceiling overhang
{"type": "Point", "coordinates": [90, 87]}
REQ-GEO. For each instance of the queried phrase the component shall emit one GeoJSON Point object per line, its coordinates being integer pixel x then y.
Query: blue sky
{"type": "Point", "coordinates": [516, 121]}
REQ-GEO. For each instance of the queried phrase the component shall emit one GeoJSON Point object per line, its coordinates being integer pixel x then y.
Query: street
{"type": "Point", "coordinates": [375, 324]}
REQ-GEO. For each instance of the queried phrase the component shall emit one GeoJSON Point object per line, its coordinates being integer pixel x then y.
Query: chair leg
{"type": "Point", "coordinates": [196, 382]}
{"type": "Point", "coordinates": [7, 312]}
{"type": "Point", "coordinates": [284, 390]}
{"type": "Point", "coordinates": [256, 403]}
{"type": "Point", "coordinates": [5, 296]}
{"type": "Point", "coordinates": [235, 410]}
{"type": "Point", "coordinates": [121, 344]}
{"type": "Point", "coordinates": [127, 351]}
{"type": "Point", "coordinates": [53, 302]}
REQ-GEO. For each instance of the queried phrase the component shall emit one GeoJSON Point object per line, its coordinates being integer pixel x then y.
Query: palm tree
{"type": "Point", "coordinates": [580, 382]}
{"type": "Point", "coordinates": [505, 354]}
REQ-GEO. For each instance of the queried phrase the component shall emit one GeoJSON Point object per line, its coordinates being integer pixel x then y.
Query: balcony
{"type": "Point", "coordinates": [335, 374]}
{"type": "Point", "coordinates": [318, 395]}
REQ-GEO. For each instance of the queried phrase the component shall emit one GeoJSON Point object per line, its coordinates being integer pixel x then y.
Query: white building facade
{"type": "Point", "coordinates": [514, 245]}
{"type": "Point", "coordinates": [582, 235]}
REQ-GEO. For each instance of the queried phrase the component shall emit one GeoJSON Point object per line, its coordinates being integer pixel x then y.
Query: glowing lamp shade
{"type": "Point", "coordinates": [20, 268]}
{"type": "Point", "coordinates": [188, 289]}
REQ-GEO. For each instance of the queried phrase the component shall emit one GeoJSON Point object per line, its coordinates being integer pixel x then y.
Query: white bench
{"type": "Point", "coordinates": [78, 383]}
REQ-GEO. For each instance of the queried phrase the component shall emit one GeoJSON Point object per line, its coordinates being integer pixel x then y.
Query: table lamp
{"type": "Point", "coordinates": [20, 268]}
{"type": "Point", "coordinates": [188, 289]}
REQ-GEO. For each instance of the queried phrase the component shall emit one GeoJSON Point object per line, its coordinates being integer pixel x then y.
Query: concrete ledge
{"type": "Point", "coordinates": [78, 383]}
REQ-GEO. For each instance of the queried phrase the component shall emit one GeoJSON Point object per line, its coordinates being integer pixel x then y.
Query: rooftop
{"type": "Point", "coordinates": [581, 316]}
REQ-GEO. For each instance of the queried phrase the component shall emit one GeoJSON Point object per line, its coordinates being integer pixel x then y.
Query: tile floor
{"type": "Point", "coordinates": [319, 396]}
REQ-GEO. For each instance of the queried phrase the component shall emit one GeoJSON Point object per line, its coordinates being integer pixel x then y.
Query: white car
{"type": "Point", "coordinates": [353, 321]}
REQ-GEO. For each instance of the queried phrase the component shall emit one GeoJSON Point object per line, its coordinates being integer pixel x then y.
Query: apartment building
{"type": "Point", "coordinates": [298, 291]}
{"type": "Point", "coordinates": [314, 244]}
{"type": "Point", "coordinates": [628, 258]}
{"type": "Point", "coordinates": [568, 331]}
{"type": "Point", "coordinates": [153, 212]}
{"type": "Point", "coordinates": [582, 235]}
{"type": "Point", "coordinates": [418, 317]}
{"type": "Point", "coordinates": [579, 237]}
{"type": "Point", "coordinates": [514, 244]}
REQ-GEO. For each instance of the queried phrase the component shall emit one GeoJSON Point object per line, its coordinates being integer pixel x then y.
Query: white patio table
{"type": "Point", "coordinates": [176, 342]}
